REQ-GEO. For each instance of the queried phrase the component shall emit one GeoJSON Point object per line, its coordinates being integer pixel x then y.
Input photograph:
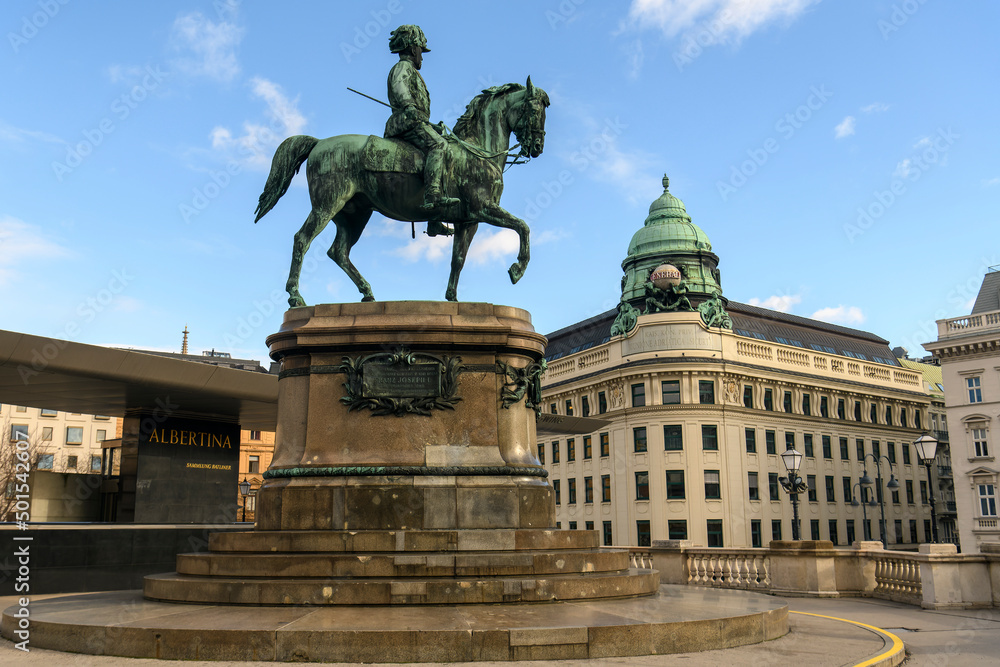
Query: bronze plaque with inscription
{"type": "Point", "coordinates": [422, 380]}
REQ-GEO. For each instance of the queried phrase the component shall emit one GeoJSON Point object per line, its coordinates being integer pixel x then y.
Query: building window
{"type": "Point", "coordinates": [987, 500]}
{"type": "Point", "coordinates": [571, 489]}
{"type": "Point", "coordinates": [747, 396]}
{"type": "Point", "coordinates": [857, 411]}
{"type": "Point", "coordinates": [49, 413]}
{"type": "Point", "coordinates": [588, 489]}
{"type": "Point", "coordinates": [806, 407]}
{"type": "Point", "coordinates": [585, 405]}
{"type": "Point", "coordinates": [102, 435]}
{"type": "Point", "coordinates": [786, 402]}
{"type": "Point", "coordinates": [18, 432]}
{"type": "Point", "coordinates": [677, 529]}
{"type": "Point", "coordinates": [923, 492]}
{"type": "Point", "coordinates": [873, 415]}
{"type": "Point", "coordinates": [902, 417]}
{"type": "Point", "coordinates": [860, 445]}
{"type": "Point", "coordinates": [769, 443]}
{"type": "Point", "coordinates": [555, 487]}
{"type": "Point", "coordinates": [605, 445]}
{"type": "Point", "coordinates": [814, 529]}
{"type": "Point", "coordinates": [71, 462]}
{"type": "Point", "coordinates": [569, 408]}
{"type": "Point", "coordinates": [908, 485]}
{"type": "Point", "coordinates": [44, 462]}
{"type": "Point", "coordinates": [602, 403]}
{"type": "Point", "coordinates": [714, 532]}
{"type": "Point", "coordinates": [570, 450]}
{"type": "Point", "coordinates": [255, 435]}
{"type": "Point", "coordinates": [754, 488]}
{"type": "Point", "coordinates": [824, 406]}
{"type": "Point", "coordinates": [675, 485]}
{"type": "Point", "coordinates": [789, 440]}
{"type": "Point", "coordinates": [975, 391]}
{"type": "Point", "coordinates": [642, 486]}
{"type": "Point", "coordinates": [849, 533]}
{"type": "Point", "coordinates": [95, 464]}
{"type": "Point", "coordinates": [917, 420]}
{"type": "Point", "coordinates": [638, 395]}
{"type": "Point", "coordinates": [772, 486]}
{"type": "Point", "coordinates": [607, 533]}
{"type": "Point", "coordinates": [552, 409]}
{"type": "Point", "coordinates": [895, 497]}
{"type": "Point", "coordinates": [769, 399]}
{"type": "Point", "coordinates": [906, 453]}
{"type": "Point", "coordinates": [541, 453]}
{"type": "Point", "coordinates": [673, 440]}
{"type": "Point", "coordinates": [710, 437]}
{"type": "Point", "coordinates": [876, 449]}
{"type": "Point", "coordinates": [605, 488]}
{"type": "Point", "coordinates": [572, 525]}
{"type": "Point", "coordinates": [831, 489]}
{"type": "Point", "coordinates": [807, 445]}
{"type": "Point", "coordinates": [639, 439]}
{"type": "Point", "coordinates": [913, 531]}
{"type": "Point", "coordinates": [74, 435]}
{"type": "Point", "coordinates": [827, 447]}
{"type": "Point", "coordinates": [706, 392]}
{"type": "Point", "coordinates": [555, 451]}
{"type": "Point", "coordinates": [588, 449]}
{"type": "Point", "coordinates": [589, 525]}
{"type": "Point", "coordinates": [671, 391]}
{"type": "Point", "coordinates": [46, 433]}
{"type": "Point", "coordinates": [775, 530]}
{"type": "Point", "coordinates": [811, 488]}
{"type": "Point", "coordinates": [888, 415]}
{"type": "Point", "coordinates": [890, 452]}
{"type": "Point", "coordinates": [840, 409]}
{"type": "Point", "coordinates": [755, 537]}
{"type": "Point", "coordinates": [979, 442]}
{"type": "Point", "coordinates": [642, 533]}
{"type": "Point", "coordinates": [713, 489]}
{"type": "Point", "coordinates": [833, 532]}
{"type": "Point", "coordinates": [847, 488]}
{"type": "Point", "coordinates": [897, 526]}
{"type": "Point", "coordinates": [254, 464]}
{"type": "Point", "coordinates": [751, 439]}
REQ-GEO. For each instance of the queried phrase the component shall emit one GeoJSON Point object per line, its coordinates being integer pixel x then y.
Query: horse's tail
{"type": "Point", "coordinates": [289, 157]}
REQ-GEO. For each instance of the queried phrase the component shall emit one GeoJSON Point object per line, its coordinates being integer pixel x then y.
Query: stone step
{"type": "Point", "coordinates": [173, 587]}
{"type": "Point", "coordinates": [385, 541]}
{"type": "Point", "coordinates": [463, 564]}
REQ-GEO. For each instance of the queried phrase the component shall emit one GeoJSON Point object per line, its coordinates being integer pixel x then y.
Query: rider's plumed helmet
{"type": "Point", "coordinates": [406, 36]}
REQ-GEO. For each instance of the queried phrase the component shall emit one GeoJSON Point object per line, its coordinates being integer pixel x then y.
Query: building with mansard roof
{"type": "Point", "coordinates": [702, 394]}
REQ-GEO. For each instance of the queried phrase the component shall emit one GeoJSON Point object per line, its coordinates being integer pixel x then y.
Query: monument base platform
{"type": "Point", "coordinates": [679, 619]}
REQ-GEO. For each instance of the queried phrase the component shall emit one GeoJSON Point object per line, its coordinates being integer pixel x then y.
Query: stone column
{"type": "Point", "coordinates": [803, 568]}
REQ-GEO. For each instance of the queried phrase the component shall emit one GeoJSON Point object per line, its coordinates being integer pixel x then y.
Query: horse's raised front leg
{"type": "Point", "coordinates": [459, 252]}
{"type": "Point", "coordinates": [499, 217]}
{"type": "Point", "coordinates": [349, 228]}
{"type": "Point", "coordinates": [314, 224]}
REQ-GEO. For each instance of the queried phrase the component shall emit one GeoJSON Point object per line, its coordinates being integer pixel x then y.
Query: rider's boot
{"type": "Point", "coordinates": [438, 228]}
{"type": "Point", "coordinates": [433, 166]}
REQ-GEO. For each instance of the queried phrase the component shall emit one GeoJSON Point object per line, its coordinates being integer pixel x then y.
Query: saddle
{"type": "Point", "coordinates": [392, 155]}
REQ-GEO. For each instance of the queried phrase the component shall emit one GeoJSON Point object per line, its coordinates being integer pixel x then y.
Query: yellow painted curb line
{"type": "Point", "coordinates": [897, 643]}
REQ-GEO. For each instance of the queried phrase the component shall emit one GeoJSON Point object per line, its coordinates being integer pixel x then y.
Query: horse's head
{"type": "Point", "coordinates": [527, 120]}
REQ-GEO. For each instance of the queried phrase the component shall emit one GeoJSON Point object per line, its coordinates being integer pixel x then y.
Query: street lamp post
{"type": "Point", "coordinates": [244, 491]}
{"type": "Point", "coordinates": [892, 485]}
{"type": "Point", "coordinates": [862, 488]}
{"type": "Point", "coordinates": [793, 484]}
{"type": "Point", "coordinates": [926, 446]}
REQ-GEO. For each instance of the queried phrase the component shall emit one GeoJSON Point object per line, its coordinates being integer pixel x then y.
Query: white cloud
{"type": "Point", "coordinates": [430, 248]}
{"type": "Point", "coordinates": [845, 128]}
{"type": "Point", "coordinates": [722, 20]}
{"type": "Point", "coordinates": [903, 169]}
{"type": "Point", "coordinates": [257, 143]}
{"type": "Point", "coordinates": [549, 236]}
{"type": "Point", "coordinates": [212, 46]}
{"type": "Point", "coordinates": [635, 57]}
{"type": "Point", "coordinates": [875, 107]}
{"type": "Point", "coordinates": [487, 248]}
{"type": "Point", "coordinates": [991, 182]}
{"type": "Point", "coordinates": [840, 315]}
{"type": "Point", "coordinates": [16, 134]}
{"type": "Point", "coordinates": [782, 303]}
{"type": "Point", "coordinates": [22, 243]}
{"type": "Point", "coordinates": [924, 142]}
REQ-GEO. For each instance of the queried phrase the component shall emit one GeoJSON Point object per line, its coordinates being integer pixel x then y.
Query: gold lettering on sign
{"type": "Point", "coordinates": [190, 438]}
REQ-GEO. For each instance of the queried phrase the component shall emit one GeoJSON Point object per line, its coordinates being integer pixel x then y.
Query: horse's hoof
{"type": "Point", "coordinates": [365, 299]}
{"type": "Point", "coordinates": [451, 295]}
{"type": "Point", "coordinates": [515, 273]}
{"type": "Point", "coordinates": [296, 302]}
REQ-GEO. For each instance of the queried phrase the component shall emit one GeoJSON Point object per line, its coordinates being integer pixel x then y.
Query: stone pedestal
{"type": "Point", "coordinates": [390, 418]}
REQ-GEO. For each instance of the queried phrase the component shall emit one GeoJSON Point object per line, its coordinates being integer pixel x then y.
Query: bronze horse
{"type": "Point", "coordinates": [343, 188]}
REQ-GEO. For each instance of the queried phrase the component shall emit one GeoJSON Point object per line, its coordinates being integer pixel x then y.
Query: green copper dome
{"type": "Point", "coordinates": [667, 229]}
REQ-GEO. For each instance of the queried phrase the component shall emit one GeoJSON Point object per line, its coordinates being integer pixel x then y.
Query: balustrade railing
{"type": "Point", "coordinates": [897, 577]}
{"type": "Point", "coordinates": [727, 568]}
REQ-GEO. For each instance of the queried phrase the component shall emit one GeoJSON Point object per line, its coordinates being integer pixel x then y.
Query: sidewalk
{"type": "Point", "coordinates": [938, 638]}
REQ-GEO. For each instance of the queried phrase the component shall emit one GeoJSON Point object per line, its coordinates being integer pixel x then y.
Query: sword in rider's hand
{"type": "Point", "coordinates": [373, 99]}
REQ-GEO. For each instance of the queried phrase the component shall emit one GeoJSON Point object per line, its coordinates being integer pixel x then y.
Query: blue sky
{"type": "Point", "coordinates": [843, 157]}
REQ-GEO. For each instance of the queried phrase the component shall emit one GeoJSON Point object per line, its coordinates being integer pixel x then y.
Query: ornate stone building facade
{"type": "Point", "coordinates": [701, 395]}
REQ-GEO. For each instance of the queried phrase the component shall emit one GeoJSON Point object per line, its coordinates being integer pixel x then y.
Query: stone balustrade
{"type": "Point", "coordinates": [969, 324]}
{"type": "Point", "coordinates": [936, 577]}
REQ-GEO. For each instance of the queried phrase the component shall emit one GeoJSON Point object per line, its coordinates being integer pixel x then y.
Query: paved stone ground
{"type": "Point", "coordinates": [932, 638]}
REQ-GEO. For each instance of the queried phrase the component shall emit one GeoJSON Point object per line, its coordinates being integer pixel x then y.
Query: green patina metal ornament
{"type": "Point", "coordinates": [672, 299]}
{"type": "Point", "coordinates": [713, 312]}
{"type": "Point", "coordinates": [626, 319]}
{"type": "Point", "coordinates": [401, 382]}
{"type": "Point", "coordinates": [521, 383]}
{"type": "Point", "coordinates": [419, 172]}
